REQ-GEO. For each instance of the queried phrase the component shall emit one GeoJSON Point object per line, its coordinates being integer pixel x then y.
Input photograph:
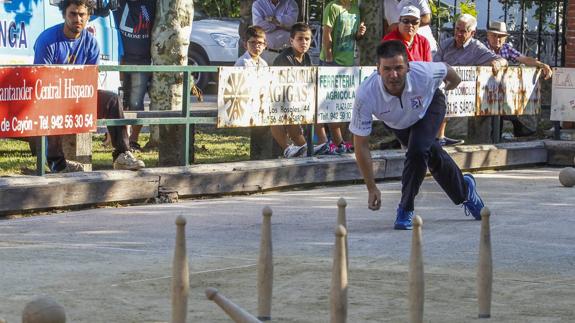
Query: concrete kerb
{"type": "Point", "coordinates": [21, 194]}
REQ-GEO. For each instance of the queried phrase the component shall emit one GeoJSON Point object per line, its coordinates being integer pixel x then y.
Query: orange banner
{"type": "Point", "coordinates": [47, 100]}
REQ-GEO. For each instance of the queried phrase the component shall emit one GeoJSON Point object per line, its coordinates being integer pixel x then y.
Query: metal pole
{"type": "Point", "coordinates": [558, 4]}
{"type": "Point", "coordinates": [40, 154]}
{"type": "Point", "coordinates": [488, 13]}
{"type": "Point", "coordinates": [454, 12]}
{"type": "Point", "coordinates": [523, 26]}
{"type": "Point", "coordinates": [186, 114]}
{"type": "Point", "coordinates": [539, 30]}
{"type": "Point", "coordinates": [505, 9]}
{"type": "Point", "coordinates": [564, 33]}
{"type": "Point", "coordinates": [438, 26]}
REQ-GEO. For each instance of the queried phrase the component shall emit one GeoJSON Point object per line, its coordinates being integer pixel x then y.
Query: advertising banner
{"type": "Point", "coordinates": [336, 88]}
{"type": "Point", "coordinates": [249, 96]}
{"type": "Point", "coordinates": [514, 91]}
{"type": "Point", "coordinates": [47, 100]}
{"type": "Point", "coordinates": [563, 95]}
{"type": "Point", "coordinates": [461, 100]}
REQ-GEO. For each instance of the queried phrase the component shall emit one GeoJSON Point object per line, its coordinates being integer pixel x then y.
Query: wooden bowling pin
{"type": "Point", "coordinates": [342, 220]}
{"type": "Point", "coordinates": [338, 295]}
{"type": "Point", "coordinates": [236, 313]}
{"type": "Point", "coordinates": [485, 268]}
{"type": "Point", "coordinates": [180, 274]}
{"type": "Point", "coordinates": [416, 280]}
{"type": "Point", "coordinates": [265, 268]}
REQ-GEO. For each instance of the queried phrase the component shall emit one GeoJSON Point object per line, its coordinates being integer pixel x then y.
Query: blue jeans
{"type": "Point", "coordinates": [424, 152]}
{"type": "Point", "coordinates": [139, 85]}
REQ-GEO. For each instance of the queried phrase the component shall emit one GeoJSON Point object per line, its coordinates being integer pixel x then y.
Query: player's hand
{"type": "Point", "coordinates": [374, 199]}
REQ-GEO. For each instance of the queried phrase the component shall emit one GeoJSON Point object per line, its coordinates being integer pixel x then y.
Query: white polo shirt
{"type": "Point", "coordinates": [372, 99]}
{"type": "Point", "coordinates": [247, 60]}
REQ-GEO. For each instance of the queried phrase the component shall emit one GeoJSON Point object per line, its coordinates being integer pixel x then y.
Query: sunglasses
{"type": "Point", "coordinates": [407, 21]}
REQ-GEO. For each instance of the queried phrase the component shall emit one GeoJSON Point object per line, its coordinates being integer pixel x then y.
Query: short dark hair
{"type": "Point", "coordinates": [299, 27]}
{"type": "Point", "coordinates": [64, 4]}
{"type": "Point", "coordinates": [390, 49]}
{"type": "Point", "coordinates": [255, 31]}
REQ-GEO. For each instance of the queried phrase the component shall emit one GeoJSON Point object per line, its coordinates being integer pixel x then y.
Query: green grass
{"type": "Point", "coordinates": [212, 146]}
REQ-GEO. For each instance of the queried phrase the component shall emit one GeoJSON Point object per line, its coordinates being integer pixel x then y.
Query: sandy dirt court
{"type": "Point", "coordinates": [114, 264]}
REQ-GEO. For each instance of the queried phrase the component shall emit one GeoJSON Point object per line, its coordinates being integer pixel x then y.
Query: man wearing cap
{"type": "Point", "coordinates": [393, 8]}
{"type": "Point", "coordinates": [464, 50]}
{"type": "Point", "coordinates": [417, 46]}
{"type": "Point", "coordinates": [497, 42]}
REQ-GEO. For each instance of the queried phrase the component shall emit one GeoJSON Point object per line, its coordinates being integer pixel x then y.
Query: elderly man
{"type": "Point", "coordinates": [392, 13]}
{"type": "Point", "coordinates": [497, 42]}
{"type": "Point", "coordinates": [464, 50]}
{"type": "Point", "coordinates": [417, 46]}
{"type": "Point", "coordinates": [276, 17]}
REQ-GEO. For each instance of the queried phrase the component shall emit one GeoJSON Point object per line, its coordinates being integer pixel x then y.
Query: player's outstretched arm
{"type": "Point", "coordinates": [363, 159]}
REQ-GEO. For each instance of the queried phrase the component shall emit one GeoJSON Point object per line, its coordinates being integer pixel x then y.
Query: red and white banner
{"type": "Point", "coordinates": [47, 100]}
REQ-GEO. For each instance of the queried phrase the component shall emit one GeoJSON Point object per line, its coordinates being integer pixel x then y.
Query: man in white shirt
{"type": "Point", "coordinates": [406, 97]}
{"type": "Point", "coordinates": [276, 17]}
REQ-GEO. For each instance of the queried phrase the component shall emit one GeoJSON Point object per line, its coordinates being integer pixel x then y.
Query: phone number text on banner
{"type": "Point", "coordinates": [266, 96]}
{"type": "Point", "coordinates": [47, 100]}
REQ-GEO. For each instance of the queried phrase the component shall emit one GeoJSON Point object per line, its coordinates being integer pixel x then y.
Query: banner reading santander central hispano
{"type": "Point", "coordinates": [47, 100]}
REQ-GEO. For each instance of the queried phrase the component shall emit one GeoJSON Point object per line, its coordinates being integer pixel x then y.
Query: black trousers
{"type": "Point", "coordinates": [108, 108]}
{"type": "Point", "coordinates": [424, 152]}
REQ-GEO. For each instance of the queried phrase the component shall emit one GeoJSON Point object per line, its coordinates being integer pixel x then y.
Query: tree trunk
{"type": "Point", "coordinates": [372, 12]}
{"type": "Point", "coordinates": [170, 42]}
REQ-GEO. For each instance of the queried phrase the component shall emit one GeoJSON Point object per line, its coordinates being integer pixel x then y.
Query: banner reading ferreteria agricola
{"type": "Point", "coordinates": [303, 95]}
{"type": "Point", "coordinates": [47, 100]}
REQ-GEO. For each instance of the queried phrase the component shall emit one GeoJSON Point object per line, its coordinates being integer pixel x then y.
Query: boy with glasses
{"type": "Point", "coordinates": [255, 44]}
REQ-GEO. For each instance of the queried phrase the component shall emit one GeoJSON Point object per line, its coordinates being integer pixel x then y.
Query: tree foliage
{"type": "Point", "coordinates": [219, 8]}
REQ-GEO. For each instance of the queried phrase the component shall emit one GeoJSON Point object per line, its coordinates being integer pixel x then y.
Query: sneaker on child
{"type": "Point", "coordinates": [127, 161]}
{"type": "Point", "coordinates": [294, 151]}
{"type": "Point", "coordinates": [321, 149]}
{"type": "Point", "coordinates": [473, 204]}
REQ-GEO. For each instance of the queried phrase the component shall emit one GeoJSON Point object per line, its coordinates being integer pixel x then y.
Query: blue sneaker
{"type": "Point", "coordinates": [403, 220]}
{"type": "Point", "coordinates": [473, 204]}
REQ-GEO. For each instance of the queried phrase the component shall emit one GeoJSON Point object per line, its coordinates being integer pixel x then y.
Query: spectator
{"type": "Point", "coordinates": [417, 46]}
{"type": "Point", "coordinates": [464, 50]}
{"type": "Point", "coordinates": [406, 97]}
{"type": "Point", "coordinates": [296, 55]}
{"type": "Point", "coordinates": [342, 28]}
{"type": "Point", "coordinates": [276, 17]}
{"type": "Point", "coordinates": [255, 44]}
{"type": "Point", "coordinates": [71, 43]}
{"type": "Point", "coordinates": [134, 19]}
{"type": "Point", "coordinates": [497, 42]}
{"type": "Point", "coordinates": [392, 12]}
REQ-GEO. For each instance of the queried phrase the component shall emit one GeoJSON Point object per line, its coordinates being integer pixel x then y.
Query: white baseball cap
{"type": "Point", "coordinates": [410, 11]}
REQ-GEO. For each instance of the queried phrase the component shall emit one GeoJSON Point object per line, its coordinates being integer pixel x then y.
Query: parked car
{"type": "Point", "coordinates": [214, 41]}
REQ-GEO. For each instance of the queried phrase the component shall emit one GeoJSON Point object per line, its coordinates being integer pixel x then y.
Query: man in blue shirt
{"type": "Point", "coordinates": [71, 43]}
